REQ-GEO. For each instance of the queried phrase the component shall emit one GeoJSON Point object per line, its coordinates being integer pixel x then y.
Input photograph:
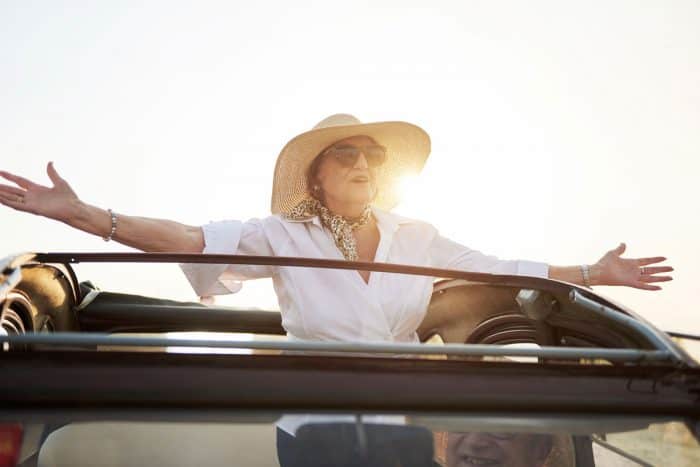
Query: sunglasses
{"type": "Point", "coordinates": [347, 155]}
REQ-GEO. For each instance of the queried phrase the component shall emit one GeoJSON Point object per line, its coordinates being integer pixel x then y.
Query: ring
{"type": "Point", "coordinates": [643, 271]}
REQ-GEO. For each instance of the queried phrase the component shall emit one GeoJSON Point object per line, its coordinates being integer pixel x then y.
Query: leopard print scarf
{"type": "Point", "coordinates": [340, 227]}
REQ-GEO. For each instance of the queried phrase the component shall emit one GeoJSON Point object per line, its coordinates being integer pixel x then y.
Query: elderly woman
{"type": "Point", "coordinates": [331, 197]}
{"type": "Point", "coordinates": [332, 192]}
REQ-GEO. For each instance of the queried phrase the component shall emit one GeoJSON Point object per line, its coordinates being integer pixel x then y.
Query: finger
{"type": "Point", "coordinates": [657, 270]}
{"type": "Point", "coordinates": [11, 190]}
{"type": "Point", "coordinates": [644, 286]}
{"type": "Point", "coordinates": [8, 196]}
{"type": "Point", "coordinates": [53, 174]}
{"type": "Point", "coordinates": [12, 201]}
{"type": "Point", "coordinates": [651, 279]}
{"type": "Point", "coordinates": [12, 196]}
{"type": "Point", "coordinates": [652, 260]}
{"type": "Point", "coordinates": [21, 181]}
{"type": "Point", "coordinates": [619, 249]}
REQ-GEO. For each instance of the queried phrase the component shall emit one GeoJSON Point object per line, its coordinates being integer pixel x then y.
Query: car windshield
{"type": "Point", "coordinates": [495, 370]}
{"type": "Point", "coordinates": [328, 439]}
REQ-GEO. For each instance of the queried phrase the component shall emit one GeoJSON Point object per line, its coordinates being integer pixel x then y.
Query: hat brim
{"type": "Point", "coordinates": [408, 147]}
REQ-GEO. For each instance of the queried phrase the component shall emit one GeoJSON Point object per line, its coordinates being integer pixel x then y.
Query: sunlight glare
{"type": "Point", "coordinates": [211, 336]}
{"type": "Point", "coordinates": [407, 186]}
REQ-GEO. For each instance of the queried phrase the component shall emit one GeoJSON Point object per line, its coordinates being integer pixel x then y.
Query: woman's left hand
{"type": "Point", "coordinates": [612, 269]}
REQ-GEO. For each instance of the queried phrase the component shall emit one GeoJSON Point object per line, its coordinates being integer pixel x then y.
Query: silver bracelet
{"type": "Point", "coordinates": [586, 273]}
{"type": "Point", "coordinates": [114, 226]}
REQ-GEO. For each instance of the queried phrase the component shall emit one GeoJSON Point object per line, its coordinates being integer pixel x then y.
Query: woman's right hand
{"type": "Point", "coordinates": [61, 203]}
{"type": "Point", "coordinates": [55, 202]}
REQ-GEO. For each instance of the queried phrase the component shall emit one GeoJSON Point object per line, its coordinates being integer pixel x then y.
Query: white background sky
{"type": "Point", "coordinates": [559, 128]}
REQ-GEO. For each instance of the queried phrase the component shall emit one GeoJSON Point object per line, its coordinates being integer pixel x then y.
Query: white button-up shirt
{"type": "Point", "coordinates": [337, 305]}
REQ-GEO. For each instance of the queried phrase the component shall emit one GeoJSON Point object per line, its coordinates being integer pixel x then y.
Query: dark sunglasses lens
{"type": "Point", "coordinates": [376, 155]}
{"type": "Point", "coordinates": [347, 156]}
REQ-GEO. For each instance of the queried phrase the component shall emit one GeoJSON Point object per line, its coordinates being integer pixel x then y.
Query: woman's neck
{"type": "Point", "coordinates": [347, 210]}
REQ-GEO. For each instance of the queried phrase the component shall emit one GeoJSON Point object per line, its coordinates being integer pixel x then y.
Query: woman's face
{"type": "Point", "coordinates": [342, 184]}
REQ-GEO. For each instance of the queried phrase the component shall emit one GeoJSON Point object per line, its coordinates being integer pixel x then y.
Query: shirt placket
{"type": "Point", "coordinates": [386, 235]}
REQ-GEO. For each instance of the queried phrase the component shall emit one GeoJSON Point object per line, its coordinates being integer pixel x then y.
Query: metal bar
{"type": "Point", "coordinates": [93, 339]}
{"type": "Point", "coordinates": [62, 379]}
{"type": "Point", "coordinates": [682, 335]}
{"type": "Point", "coordinates": [288, 261]}
{"type": "Point", "coordinates": [627, 321]}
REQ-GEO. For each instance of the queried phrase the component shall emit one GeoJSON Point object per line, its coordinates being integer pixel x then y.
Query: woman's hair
{"type": "Point", "coordinates": [312, 176]}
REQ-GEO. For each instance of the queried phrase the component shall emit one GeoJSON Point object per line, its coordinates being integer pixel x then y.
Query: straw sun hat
{"type": "Point", "coordinates": [407, 146]}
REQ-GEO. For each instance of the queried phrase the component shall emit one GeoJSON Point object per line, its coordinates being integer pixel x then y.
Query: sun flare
{"type": "Point", "coordinates": [406, 186]}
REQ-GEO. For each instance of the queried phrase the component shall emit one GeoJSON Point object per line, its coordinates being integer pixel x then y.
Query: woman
{"type": "Point", "coordinates": [338, 177]}
{"type": "Point", "coordinates": [332, 192]}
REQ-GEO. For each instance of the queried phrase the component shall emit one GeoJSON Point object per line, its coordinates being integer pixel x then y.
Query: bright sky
{"type": "Point", "coordinates": [559, 128]}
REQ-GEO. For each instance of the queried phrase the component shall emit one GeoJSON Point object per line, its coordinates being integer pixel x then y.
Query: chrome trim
{"type": "Point", "coordinates": [366, 349]}
{"type": "Point", "coordinates": [655, 338]}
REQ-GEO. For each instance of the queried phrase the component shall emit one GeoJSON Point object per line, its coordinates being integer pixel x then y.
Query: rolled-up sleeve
{"type": "Point", "coordinates": [228, 238]}
{"type": "Point", "coordinates": [448, 254]}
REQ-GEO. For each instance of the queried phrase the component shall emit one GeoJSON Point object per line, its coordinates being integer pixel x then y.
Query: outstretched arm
{"type": "Point", "coordinates": [60, 203]}
{"type": "Point", "coordinates": [612, 269]}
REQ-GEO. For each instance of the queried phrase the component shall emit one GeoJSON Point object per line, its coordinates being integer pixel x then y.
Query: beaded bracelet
{"type": "Point", "coordinates": [114, 226]}
{"type": "Point", "coordinates": [586, 273]}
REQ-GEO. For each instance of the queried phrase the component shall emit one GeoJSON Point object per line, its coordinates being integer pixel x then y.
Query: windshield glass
{"type": "Point", "coordinates": [265, 439]}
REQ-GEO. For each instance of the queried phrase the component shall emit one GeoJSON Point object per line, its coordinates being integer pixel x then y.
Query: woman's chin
{"type": "Point", "coordinates": [365, 198]}
{"type": "Point", "coordinates": [358, 195]}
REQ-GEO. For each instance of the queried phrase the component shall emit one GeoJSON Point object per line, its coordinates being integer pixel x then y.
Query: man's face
{"type": "Point", "coordinates": [497, 449]}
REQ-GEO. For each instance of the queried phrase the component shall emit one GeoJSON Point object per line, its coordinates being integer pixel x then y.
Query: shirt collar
{"type": "Point", "coordinates": [386, 220]}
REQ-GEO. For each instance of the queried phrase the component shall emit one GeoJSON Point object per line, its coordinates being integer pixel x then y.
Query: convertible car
{"type": "Point", "coordinates": [510, 371]}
